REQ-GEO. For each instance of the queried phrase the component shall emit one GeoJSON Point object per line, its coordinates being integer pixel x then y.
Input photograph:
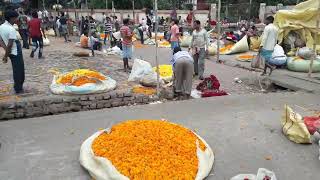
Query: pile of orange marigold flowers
{"type": "Point", "coordinates": [80, 77]}
{"type": "Point", "coordinates": [150, 149]}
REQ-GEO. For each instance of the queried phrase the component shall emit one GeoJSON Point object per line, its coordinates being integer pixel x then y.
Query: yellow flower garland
{"type": "Point", "coordinates": [150, 149]}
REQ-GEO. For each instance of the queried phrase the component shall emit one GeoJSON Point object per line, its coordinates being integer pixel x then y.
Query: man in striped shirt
{"type": "Point", "coordinates": [108, 29]}
{"type": "Point", "coordinates": [126, 35]}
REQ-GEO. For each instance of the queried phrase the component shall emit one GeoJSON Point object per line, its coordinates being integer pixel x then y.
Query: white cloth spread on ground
{"type": "Point", "coordinates": [102, 169]}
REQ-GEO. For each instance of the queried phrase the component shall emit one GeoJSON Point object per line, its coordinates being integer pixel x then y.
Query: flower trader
{"type": "Point", "coordinates": [182, 64]}
{"type": "Point", "coordinates": [35, 29]}
{"type": "Point", "coordinates": [199, 45]}
{"type": "Point", "coordinates": [269, 41]}
{"type": "Point", "coordinates": [12, 47]}
{"type": "Point", "coordinates": [126, 35]}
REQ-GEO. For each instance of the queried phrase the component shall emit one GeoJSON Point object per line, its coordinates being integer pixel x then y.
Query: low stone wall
{"type": "Point", "coordinates": [34, 107]}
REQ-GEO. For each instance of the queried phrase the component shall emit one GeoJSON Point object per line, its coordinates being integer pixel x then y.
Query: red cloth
{"type": "Point", "coordinates": [312, 123]}
{"type": "Point", "coordinates": [209, 87]}
{"type": "Point", "coordinates": [213, 23]}
{"type": "Point", "coordinates": [35, 28]}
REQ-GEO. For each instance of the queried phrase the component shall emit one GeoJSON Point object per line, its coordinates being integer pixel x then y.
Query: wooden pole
{"type": "Point", "coordinates": [315, 41]}
{"type": "Point", "coordinates": [134, 20]}
{"type": "Point", "coordinates": [156, 39]}
{"type": "Point", "coordinates": [219, 32]}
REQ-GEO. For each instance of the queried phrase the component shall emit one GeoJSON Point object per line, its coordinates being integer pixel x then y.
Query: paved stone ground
{"type": "Point", "coordinates": [243, 130]}
{"type": "Point", "coordinates": [59, 56]}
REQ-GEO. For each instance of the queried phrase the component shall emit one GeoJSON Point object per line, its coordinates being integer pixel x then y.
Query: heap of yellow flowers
{"type": "Point", "coordinates": [150, 149]}
{"type": "Point", "coordinates": [164, 70]}
{"type": "Point", "coordinates": [144, 90]}
{"type": "Point", "coordinates": [245, 57]}
{"type": "Point", "coordinates": [226, 49]}
{"type": "Point", "coordinates": [80, 77]}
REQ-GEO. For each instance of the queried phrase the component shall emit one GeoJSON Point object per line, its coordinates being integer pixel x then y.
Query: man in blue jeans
{"type": "Point", "coordinates": [35, 29]}
{"type": "Point", "coordinates": [13, 50]}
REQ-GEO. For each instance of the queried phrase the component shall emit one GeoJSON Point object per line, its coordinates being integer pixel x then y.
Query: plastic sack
{"type": "Point", "coordinates": [258, 62]}
{"type": "Point", "coordinates": [294, 128]}
{"type": "Point", "coordinates": [306, 53]}
{"type": "Point", "coordinates": [312, 123]}
{"type": "Point", "coordinates": [239, 47]}
{"type": "Point", "coordinates": [244, 177]}
{"type": "Point", "coordinates": [195, 94]}
{"type": "Point", "coordinates": [255, 43]}
{"type": "Point", "coordinates": [18, 35]}
{"type": "Point", "coordinates": [212, 50]}
{"type": "Point", "coordinates": [213, 93]}
{"type": "Point", "coordinates": [186, 41]}
{"type": "Point", "coordinates": [89, 88]}
{"type": "Point", "coordinates": [50, 32]}
{"type": "Point", "coordinates": [117, 35]}
{"type": "Point", "coordinates": [46, 42]}
{"type": "Point", "coordinates": [300, 65]}
{"type": "Point", "coordinates": [149, 80]}
{"type": "Point", "coordinates": [265, 174]}
{"type": "Point", "coordinates": [140, 68]}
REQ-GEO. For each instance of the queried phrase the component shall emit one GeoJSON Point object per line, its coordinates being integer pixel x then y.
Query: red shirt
{"type": "Point", "coordinates": [35, 27]}
{"type": "Point", "coordinates": [126, 35]}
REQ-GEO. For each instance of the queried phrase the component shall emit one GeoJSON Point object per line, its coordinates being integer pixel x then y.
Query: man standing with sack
{"type": "Point", "coordinates": [269, 41]}
{"type": "Point", "coordinates": [199, 45]}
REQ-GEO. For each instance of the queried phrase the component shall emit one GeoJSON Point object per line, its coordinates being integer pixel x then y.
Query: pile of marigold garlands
{"type": "Point", "coordinates": [150, 149]}
{"type": "Point", "coordinates": [80, 77]}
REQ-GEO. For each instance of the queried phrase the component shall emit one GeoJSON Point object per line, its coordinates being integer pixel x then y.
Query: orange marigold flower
{"type": "Point", "coordinates": [150, 149]}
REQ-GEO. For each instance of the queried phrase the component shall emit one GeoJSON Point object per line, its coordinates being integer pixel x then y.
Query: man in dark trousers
{"type": "Point", "coordinates": [13, 50]}
{"type": "Point", "coordinates": [35, 28]}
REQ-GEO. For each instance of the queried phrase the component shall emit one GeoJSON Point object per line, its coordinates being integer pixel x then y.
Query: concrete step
{"type": "Point", "coordinates": [296, 83]}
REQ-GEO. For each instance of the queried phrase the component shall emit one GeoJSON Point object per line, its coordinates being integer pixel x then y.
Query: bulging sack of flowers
{"type": "Point", "coordinates": [165, 72]}
{"type": "Point", "coordinates": [146, 149]}
{"type": "Point", "coordinates": [140, 68]}
{"type": "Point", "coordinates": [239, 47]}
{"type": "Point", "coordinates": [186, 41]}
{"type": "Point", "coordinates": [81, 81]}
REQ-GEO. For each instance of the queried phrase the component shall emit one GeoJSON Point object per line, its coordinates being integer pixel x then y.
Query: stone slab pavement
{"type": "Point", "coordinates": [243, 130]}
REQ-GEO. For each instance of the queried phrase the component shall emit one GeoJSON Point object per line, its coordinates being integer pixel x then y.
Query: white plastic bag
{"type": "Point", "coordinates": [244, 176]}
{"type": "Point", "coordinates": [195, 94]}
{"type": "Point", "coordinates": [263, 173]}
{"type": "Point", "coordinates": [149, 80]}
{"type": "Point", "coordinates": [140, 68]}
{"type": "Point", "coordinates": [306, 53]}
{"type": "Point", "coordinates": [46, 42]}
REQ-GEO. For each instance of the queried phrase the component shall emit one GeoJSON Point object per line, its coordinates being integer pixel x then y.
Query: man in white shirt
{"type": "Point", "coordinates": [269, 41]}
{"type": "Point", "coordinates": [13, 50]}
{"type": "Point", "coordinates": [199, 45]}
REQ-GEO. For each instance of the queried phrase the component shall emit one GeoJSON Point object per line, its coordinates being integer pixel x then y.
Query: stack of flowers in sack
{"type": "Point", "coordinates": [80, 77]}
{"type": "Point", "coordinates": [209, 87]}
{"type": "Point", "coordinates": [81, 81]}
{"type": "Point", "coordinates": [165, 72]}
{"type": "Point", "coordinates": [146, 149]}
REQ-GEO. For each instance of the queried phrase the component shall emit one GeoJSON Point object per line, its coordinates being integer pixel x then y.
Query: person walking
{"type": "Point", "coordinates": [35, 28]}
{"type": "Point", "coordinates": [107, 30]}
{"type": "Point", "coordinates": [182, 64]}
{"type": "Point", "coordinates": [126, 35]}
{"type": "Point", "coordinates": [175, 34]}
{"type": "Point", "coordinates": [199, 46]}
{"type": "Point", "coordinates": [13, 50]}
{"type": "Point", "coordinates": [23, 29]}
{"type": "Point", "coordinates": [268, 42]}
{"type": "Point", "coordinates": [64, 27]}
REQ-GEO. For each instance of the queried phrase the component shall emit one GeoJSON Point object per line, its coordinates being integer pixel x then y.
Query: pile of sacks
{"type": "Point", "coordinates": [301, 61]}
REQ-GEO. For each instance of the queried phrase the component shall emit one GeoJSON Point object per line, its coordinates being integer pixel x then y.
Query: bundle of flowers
{"type": "Point", "coordinates": [165, 72]}
{"type": "Point", "coordinates": [144, 90]}
{"type": "Point", "coordinates": [226, 49]}
{"type": "Point", "coordinates": [80, 77]}
{"type": "Point", "coordinates": [164, 43]}
{"type": "Point", "coordinates": [81, 81]}
{"type": "Point", "coordinates": [146, 149]}
{"type": "Point", "coordinates": [245, 57]}
{"type": "Point", "coordinates": [209, 87]}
